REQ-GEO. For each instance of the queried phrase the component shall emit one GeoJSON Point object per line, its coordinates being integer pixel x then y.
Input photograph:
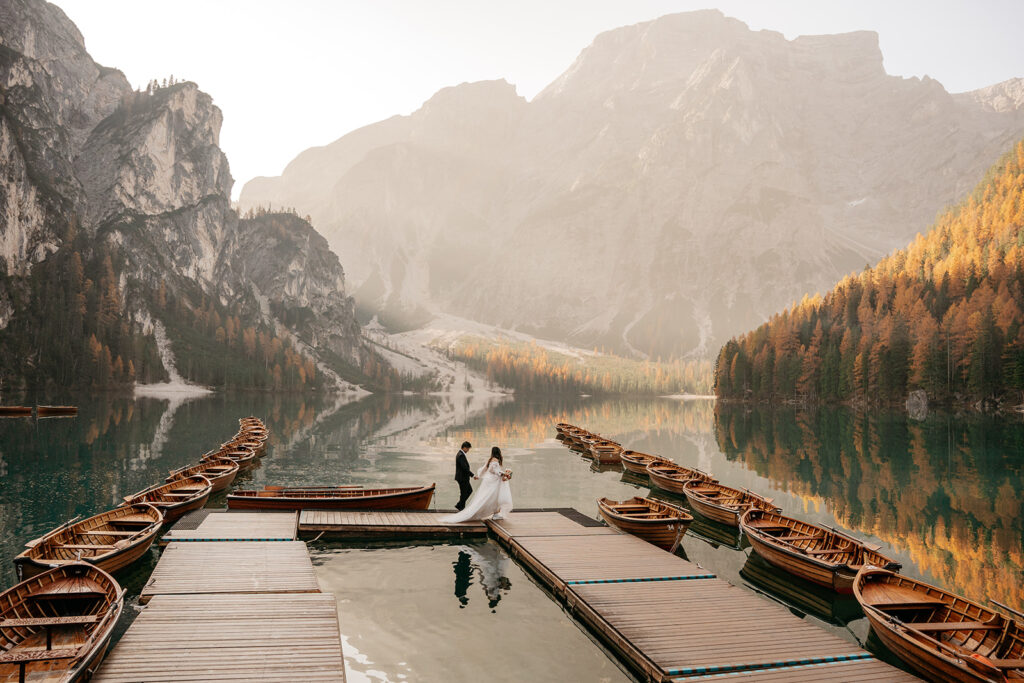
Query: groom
{"type": "Point", "coordinates": [462, 475]}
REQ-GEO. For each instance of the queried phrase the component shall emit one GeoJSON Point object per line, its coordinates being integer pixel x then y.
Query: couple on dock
{"type": "Point", "coordinates": [493, 499]}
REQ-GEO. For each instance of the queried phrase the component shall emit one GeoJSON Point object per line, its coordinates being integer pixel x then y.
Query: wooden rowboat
{"type": "Point", "coordinates": [221, 472]}
{"type": "Point", "coordinates": [562, 427]}
{"type": "Point", "coordinates": [175, 498]}
{"type": "Point", "coordinates": [672, 477]}
{"type": "Point", "coordinates": [257, 447]}
{"type": "Point", "coordinates": [332, 498]}
{"type": "Point", "coordinates": [110, 540]}
{"type": "Point", "coordinates": [245, 457]}
{"type": "Point", "coordinates": [606, 452]}
{"type": "Point", "coordinates": [943, 636]}
{"type": "Point", "coordinates": [15, 411]}
{"type": "Point", "coordinates": [56, 410]}
{"type": "Point", "coordinates": [821, 555]}
{"type": "Point", "coordinates": [724, 504]}
{"type": "Point", "coordinates": [637, 462]}
{"type": "Point", "coordinates": [652, 520]}
{"type": "Point", "coordinates": [56, 626]}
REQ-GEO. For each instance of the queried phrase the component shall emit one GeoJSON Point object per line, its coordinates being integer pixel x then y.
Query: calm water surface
{"type": "Point", "coordinates": [944, 496]}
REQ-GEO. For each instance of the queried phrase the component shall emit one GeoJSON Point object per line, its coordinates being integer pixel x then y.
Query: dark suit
{"type": "Point", "coordinates": [462, 475]}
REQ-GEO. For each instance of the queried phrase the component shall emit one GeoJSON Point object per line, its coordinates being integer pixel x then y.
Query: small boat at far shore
{"type": "Point", "coordinates": [944, 636]}
{"type": "Point", "coordinates": [722, 503]}
{"type": "Point", "coordinates": [671, 477]}
{"type": "Point", "coordinates": [821, 555]}
{"type": "Point", "coordinates": [15, 411]}
{"type": "Point", "coordinates": [43, 411]}
{"type": "Point", "coordinates": [654, 521]}
{"type": "Point", "coordinates": [57, 625]}
{"type": "Point", "coordinates": [332, 498]}
{"type": "Point", "coordinates": [175, 498]}
{"type": "Point", "coordinates": [110, 540]}
{"type": "Point", "coordinates": [637, 462]}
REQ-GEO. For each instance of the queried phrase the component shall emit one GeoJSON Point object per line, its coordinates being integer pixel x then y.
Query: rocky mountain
{"type": "Point", "coordinates": [132, 189]}
{"type": "Point", "coordinates": [684, 179]}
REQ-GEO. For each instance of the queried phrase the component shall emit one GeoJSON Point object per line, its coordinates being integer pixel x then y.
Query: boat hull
{"type": "Point", "coordinates": [217, 483]}
{"type": "Point", "coordinates": [839, 579]}
{"type": "Point", "coordinates": [416, 500]}
{"type": "Point", "coordinates": [666, 483]}
{"type": "Point", "coordinates": [662, 533]}
{"type": "Point", "coordinates": [925, 661]}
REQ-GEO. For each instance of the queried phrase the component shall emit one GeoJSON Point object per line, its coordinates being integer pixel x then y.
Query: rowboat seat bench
{"type": "Point", "coordinates": [87, 546]}
{"type": "Point", "coordinates": [769, 527]}
{"type": "Point", "coordinates": [827, 551]}
{"type": "Point", "coordinates": [50, 621]}
{"type": "Point", "coordinates": [109, 532]}
{"type": "Point", "coordinates": [1008, 663]}
{"type": "Point", "coordinates": [911, 604]}
{"type": "Point", "coordinates": [141, 520]}
{"type": "Point", "coordinates": [799, 537]}
{"type": "Point", "coordinates": [38, 655]}
{"type": "Point", "coordinates": [954, 626]}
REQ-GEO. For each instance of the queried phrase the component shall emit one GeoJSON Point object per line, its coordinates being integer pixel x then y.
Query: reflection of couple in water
{"type": "Point", "coordinates": [493, 499]}
{"type": "Point", "coordinates": [490, 565]}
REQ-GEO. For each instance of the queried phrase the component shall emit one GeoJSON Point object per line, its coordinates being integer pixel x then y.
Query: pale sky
{"type": "Point", "coordinates": [289, 76]}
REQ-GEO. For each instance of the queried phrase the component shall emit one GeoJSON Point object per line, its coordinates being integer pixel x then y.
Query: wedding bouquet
{"type": "Point", "coordinates": [506, 475]}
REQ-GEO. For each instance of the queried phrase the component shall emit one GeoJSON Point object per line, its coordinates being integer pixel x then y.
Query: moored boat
{"type": "Point", "coordinates": [944, 636]}
{"type": "Point", "coordinates": [110, 540]}
{"type": "Point", "coordinates": [672, 477]}
{"type": "Point", "coordinates": [175, 498]}
{"type": "Point", "coordinates": [257, 447]}
{"type": "Point", "coordinates": [15, 411]}
{"type": "Point", "coordinates": [637, 462]}
{"type": "Point", "coordinates": [245, 457]}
{"type": "Point", "coordinates": [57, 626]}
{"type": "Point", "coordinates": [562, 427]}
{"type": "Point", "coordinates": [654, 521]}
{"type": "Point", "coordinates": [43, 411]}
{"type": "Point", "coordinates": [722, 503]}
{"type": "Point", "coordinates": [219, 471]}
{"type": "Point", "coordinates": [332, 498]}
{"type": "Point", "coordinates": [606, 452]}
{"type": "Point", "coordinates": [818, 554]}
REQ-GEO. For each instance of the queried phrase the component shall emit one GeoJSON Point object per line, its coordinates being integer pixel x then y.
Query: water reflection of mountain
{"type": "Point", "coordinates": [947, 492]}
{"type": "Point", "coordinates": [525, 423]}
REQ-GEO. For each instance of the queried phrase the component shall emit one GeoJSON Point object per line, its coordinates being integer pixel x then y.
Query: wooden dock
{"type": "Point", "coordinates": [667, 618]}
{"type": "Point", "coordinates": [233, 610]}
{"type": "Point", "coordinates": [232, 567]}
{"type": "Point", "coordinates": [206, 525]}
{"type": "Point", "coordinates": [386, 525]}
{"type": "Point", "coordinates": [269, 637]}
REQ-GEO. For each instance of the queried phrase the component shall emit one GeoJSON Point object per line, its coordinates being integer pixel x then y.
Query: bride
{"type": "Point", "coordinates": [494, 497]}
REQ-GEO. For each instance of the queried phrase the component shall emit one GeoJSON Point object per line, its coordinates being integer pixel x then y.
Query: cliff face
{"type": "Point", "coordinates": [684, 179]}
{"type": "Point", "coordinates": [140, 176]}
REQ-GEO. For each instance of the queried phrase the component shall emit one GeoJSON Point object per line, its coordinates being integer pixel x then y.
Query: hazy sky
{"type": "Point", "coordinates": [293, 75]}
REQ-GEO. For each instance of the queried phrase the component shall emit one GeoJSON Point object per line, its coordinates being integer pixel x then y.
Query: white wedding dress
{"type": "Point", "coordinates": [494, 497]}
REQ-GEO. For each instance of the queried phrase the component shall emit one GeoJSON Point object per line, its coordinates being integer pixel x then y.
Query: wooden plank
{"type": "Point", "coordinates": [857, 671]}
{"type": "Point", "coordinates": [237, 526]}
{"type": "Point", "coordinates": [385, 524]}
{"type": "Point", "coordinates": [268, 637]}
{"type": "Point", "coordinates": [232, 567]}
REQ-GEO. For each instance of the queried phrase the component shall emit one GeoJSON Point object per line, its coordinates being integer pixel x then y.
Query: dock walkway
{"type": "Point", "coordinates": [231, 610]}
{"type": "Point", "coordinates": [667, 618]}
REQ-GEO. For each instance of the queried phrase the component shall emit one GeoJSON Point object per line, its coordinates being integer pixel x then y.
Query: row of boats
{"type": "Point", "coordinates": [943, 636]}
{"type": "Point", "coordinates": [56, 623]}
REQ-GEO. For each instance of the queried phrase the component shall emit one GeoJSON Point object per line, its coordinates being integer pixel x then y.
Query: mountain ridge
{"type": "Point", "coordinates": [681, 181]}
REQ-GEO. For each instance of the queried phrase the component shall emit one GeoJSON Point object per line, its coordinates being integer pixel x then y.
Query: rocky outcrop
{"type": "Point", "coordinates": [140, 176]}
{"type": "Point", "coordinates": [683, 180]}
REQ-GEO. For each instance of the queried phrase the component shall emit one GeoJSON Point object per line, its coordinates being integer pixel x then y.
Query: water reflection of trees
{"type": "Point", "coordinates": [948, 492]}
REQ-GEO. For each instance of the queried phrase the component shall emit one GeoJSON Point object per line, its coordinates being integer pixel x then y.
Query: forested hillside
{"type": "Point", "coordinates": [943, 315]}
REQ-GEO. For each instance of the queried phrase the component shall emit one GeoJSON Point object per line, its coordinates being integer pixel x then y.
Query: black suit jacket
{"type": "Point", "coordinates": [462, 471]}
